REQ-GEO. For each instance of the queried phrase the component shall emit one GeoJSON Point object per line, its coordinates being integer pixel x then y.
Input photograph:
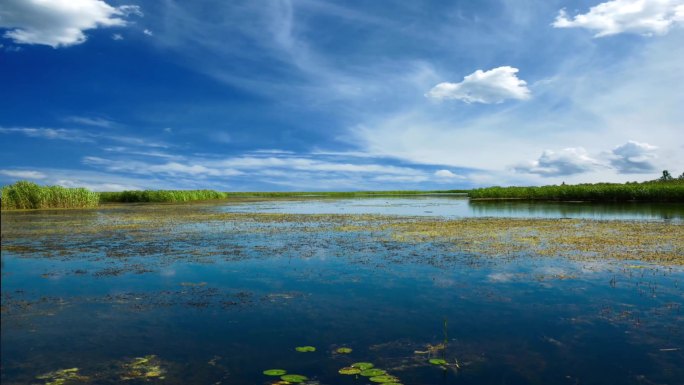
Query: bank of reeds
{"type": "Point", "coordinates": [161, 196]}
{"type": "Point", "coordinates": [654, 191]}
{"type": "Point", "coordinates": [28, 195]}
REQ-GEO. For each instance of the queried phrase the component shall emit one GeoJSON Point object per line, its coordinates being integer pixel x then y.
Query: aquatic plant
{"type": "Point", "coordinates": [305, 349]}
{"type": "Point", "coordinates": [372, 372]}
{"type": "Point", "coordinates": [62, 376]}
{"type": "Point", "coordinates": [29, 195]}
{"type": "Point", "coordinates": [143, 368]}
{"type": "Point", "coordinates": [294, 378]}
{"type": "Point", "coordinates": [275, 372]}
{"type": "Point", "coordinates": [384, 379]}
{"type": "Point", "coordinates": [343, 350]}
{"type": "Point", "coordinates": [349, 370]}
{"type": "Point", "coordinates": [437, 361]}
{"type": "Point", "coordinates": [362, 365]}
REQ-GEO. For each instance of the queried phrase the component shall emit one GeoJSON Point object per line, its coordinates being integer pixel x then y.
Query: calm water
{"type": "Point", "coordinates": [219, 302]}
{"type": "Point", "coordinates": [462, 207]}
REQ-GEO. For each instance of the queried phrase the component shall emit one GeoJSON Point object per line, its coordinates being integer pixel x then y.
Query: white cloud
{"type": "Point", "coordinates": [493, 86]}
{"type": "Point", "coordinates": [645, 17]}
{"type": "Point", "coordinates": [147, 32]}
{"type": "Point", "coordinates": [23, 174]}
{"type": "Point", "coordinates": [445, 174]}
{"type": "Point", "coordinates": [633, 158]}
{"type": "Point", "coordinates": [169, 168]}
{"type": "Point", "coordinates": [117, 36]}
{"type": "Point", "coordinates": [48, 133]}
{"type": "Point", "coordinates": [568, 161]}
{"type": "Point", "coordinates": [90, 121]}
{"type": "Point", "coordinates": [59, 23]}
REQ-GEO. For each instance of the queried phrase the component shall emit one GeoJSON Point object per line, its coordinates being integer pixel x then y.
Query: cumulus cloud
{"type": "Point", "coordinates": [645, 17]}
{"type": "Point", "coordinates": [633, 158]}
{"type": "Point", "coordinates": [23, 174]}
{"type": "Point", "coordinates": [568, 161]}
{"type": "Point", "coordinates": [59, 23]}
{"type": "Point", "coordinates": [493, 86]}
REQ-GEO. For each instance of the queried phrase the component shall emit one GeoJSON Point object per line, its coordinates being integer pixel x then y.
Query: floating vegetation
{"type": "Point", "coordinates": [343, 350]}
{"type": "Point", "coordinates": [437, 361]}
{"type": "Point", "coordinates": [62, 376]}
{"type": "Point", "coordinates": [384, 379]}
{"type": "Point", "coordinates": [275, 372]}
{"type": "Point", "coordinates": [294, 378]}
{"type": "Point", "coordinates": [362, 365]}
{"type": "Point", "coordinates": [372, 372]}
{"type": "Point", "coordinates": [148, 367]}
{"type": "Point", "coordinates": [349, 370]}
{"type": "Point", "coordinates": [305, 349]}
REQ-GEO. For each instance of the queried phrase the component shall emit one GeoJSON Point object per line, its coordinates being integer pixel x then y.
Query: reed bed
{"type": "Point", "coordinates": [654, 191]}
{"type": "Point", "coordinates": [28, 195]}
{"type": "Point", "coordinates": [161, 196]}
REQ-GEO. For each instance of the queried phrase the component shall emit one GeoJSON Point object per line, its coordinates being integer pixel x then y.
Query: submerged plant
{"type": "Point", "coordinates": [147, 367]}
{"type": "Point", "coordinates": [62, 376]}
{"type": "Point", "coordinates": [275, 372]}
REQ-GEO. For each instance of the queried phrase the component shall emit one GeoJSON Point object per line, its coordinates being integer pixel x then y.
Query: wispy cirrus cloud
{"type": "Point", "coordinates": [23, 174]}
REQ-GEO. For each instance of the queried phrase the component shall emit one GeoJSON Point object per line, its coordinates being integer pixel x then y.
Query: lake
{"type": "Point", "coordinates": [503, 293]}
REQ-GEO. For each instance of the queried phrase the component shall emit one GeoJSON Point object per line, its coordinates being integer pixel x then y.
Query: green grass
{"type": "Point", "coordinates": [161, 196]}
{"type": "Point", "coordinates": [652, 191]}
{"type": "Point", "coordinates": [28, 195]}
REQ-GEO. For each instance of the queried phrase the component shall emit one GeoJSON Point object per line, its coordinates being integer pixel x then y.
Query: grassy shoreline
{"type": "Point", "coordinates": [653, 191]}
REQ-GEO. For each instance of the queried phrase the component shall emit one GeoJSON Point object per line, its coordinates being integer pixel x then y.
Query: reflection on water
{"type": "Point", "coordinates": [462, 207]}
{"type": "Point", "coordinates": [195, 302]}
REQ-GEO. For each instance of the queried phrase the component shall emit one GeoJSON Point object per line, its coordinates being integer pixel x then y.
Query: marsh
{"type": "Point", "coordinates": [221, 292]}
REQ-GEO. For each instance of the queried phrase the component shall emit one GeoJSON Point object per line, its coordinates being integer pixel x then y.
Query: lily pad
{"type": "Point", "coordinates": [362, 365]}
{"type": "Point", "coordinates": [349, 370]}
{"type": "Point", "coordinates": [275, 372]}
{"type": "Point", "coordinates": [437, 361]}
{"type": "Point", "coordinates": [305, 349]}
{"type": "Point", "coordinates": [344, 350]}
{"type": "Point", "coordinates": [294, 378]}
{"type": "Point", "coordinates": [373, 372]}
{"type": "Point", "coordinates": [384, 379]}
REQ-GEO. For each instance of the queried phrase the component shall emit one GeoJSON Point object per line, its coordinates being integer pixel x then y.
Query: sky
{"type": "Point", "coordinates": [307, 95]}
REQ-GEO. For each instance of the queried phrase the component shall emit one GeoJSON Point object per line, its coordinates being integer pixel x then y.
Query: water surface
{"type": "Point", "coordinates": [218, 299]}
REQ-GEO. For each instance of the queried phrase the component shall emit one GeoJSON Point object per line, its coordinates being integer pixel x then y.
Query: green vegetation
{"type": "Point", "coordinates": [28, 195]}
{"type": "Point", "coordinates": [161, 196]}
{"type": "Point", "coordinates": [663, 189]}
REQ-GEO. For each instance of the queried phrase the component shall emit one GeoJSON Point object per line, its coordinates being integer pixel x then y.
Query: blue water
{"type": "Point", "coordinates": [462, 207]}
{"type": "Point", "coordinates": [221, 302]}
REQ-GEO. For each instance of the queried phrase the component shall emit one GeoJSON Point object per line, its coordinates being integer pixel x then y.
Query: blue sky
{"type": "Point", "coordinates": [349, 95]}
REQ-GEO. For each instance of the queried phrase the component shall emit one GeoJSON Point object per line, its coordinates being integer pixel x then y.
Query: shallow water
{"type": "Point", "coordinates": [219, 299]}
{"type": "Point", "coordinates": [462, 207]}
